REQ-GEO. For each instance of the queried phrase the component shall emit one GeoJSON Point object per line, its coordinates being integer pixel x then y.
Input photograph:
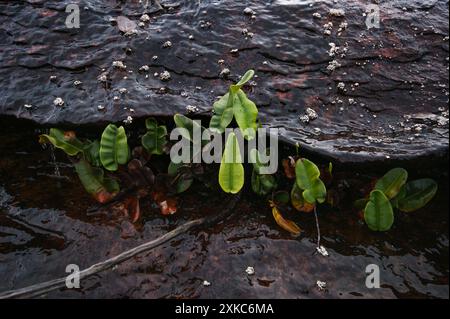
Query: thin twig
{"type": "Point", "coordinates": [45, 287]}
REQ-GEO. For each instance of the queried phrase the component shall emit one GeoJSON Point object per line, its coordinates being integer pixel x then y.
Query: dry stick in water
{"type": "Point", "coordinates": [48, 286]}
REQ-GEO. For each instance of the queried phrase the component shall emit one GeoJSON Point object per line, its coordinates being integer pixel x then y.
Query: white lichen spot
{"type": "Point", "coordinates": [192, 109]}
{"type": "Point", "coordinates": [165, 76]}
{"type": "Point", "coordinates": [144, 68]}
{"type": "Point", "coordinates": [145, 18]}
{"type": "Point", "coordinates": [322, 250]}
{"type": "Point", "coordinates": [27, 106]}
{"type": "Point", "coordinates": [311, 114]}
{"type": "Point", "coordinates": [321, 284]}
{"type": "Point", "coordinates": [304, 119]}
{"type": "Point", "coordinates": [249, 11]}
{"type": "Point", "coordinates": [167, 44]}
{"type": "Point", "coordinates": [250, 271]}
{"type": "Point", "coordinates": [58, 101]}
{"type": "Point", "coordinates": [341, 86]}
{"type": "Point", "coordinates": [123, 91]}
{"type": "Point", "coordinates": [128, 120]}
{"type": "Point", "coordinates": [119, 65]}
{"type": "Point", "coordinates": [206, 283]}
{"type": "Point", "coordinates": [77, 83]}
{"type": "Point", "coordinates": [100, 107]}
{"type": "Point", "coordinates": [337, 12]}
{"type": "Point", "coordinates": [333, 65]}
{"type": "Point", "coordinates": [103, 77]}
{"type": "Point", "coordinates": [225, 72]}
{"type": "Point", "coordinates": [317, 15]}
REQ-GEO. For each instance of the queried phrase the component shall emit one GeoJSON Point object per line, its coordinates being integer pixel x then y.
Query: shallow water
{"type": "Point", "coordinates": [396, 77]}
{"type": "Point", "coordinates": [44, 227]}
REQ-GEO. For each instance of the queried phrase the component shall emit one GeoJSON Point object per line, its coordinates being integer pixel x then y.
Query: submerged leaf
{"type": "Point", "coordinates": [263, 184]}
{"type": "Point", "coordinates": [93, 180]}
{"type": "Point", "coordinates": [416, 194]}
{"type": "Point", "coordinates": [92, 153]}
{"type": "Point", "coordinates": [378, 213]}
{"type": "Point", "coordinates": [66, 141]}
{"type": "Point", "coordinates": [114, 149]}
{"type": "Point", "coordinates": [231, 172]}
{"type": "Point", "coordinates": [281, 197]}
{"type": "Point", "coordinates": [391, 183]}
{"type": "Point", "coordinates": [167, 205]}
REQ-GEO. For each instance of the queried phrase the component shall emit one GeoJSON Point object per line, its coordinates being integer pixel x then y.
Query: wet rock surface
{"type": "Point", "coordinates": [378, 93]}
{"type": "Point", "coordinates": [44, 226]}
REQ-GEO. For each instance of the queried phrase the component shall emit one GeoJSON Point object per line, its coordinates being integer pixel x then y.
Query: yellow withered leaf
{"type": "Point", "coordinates": [286, 224]}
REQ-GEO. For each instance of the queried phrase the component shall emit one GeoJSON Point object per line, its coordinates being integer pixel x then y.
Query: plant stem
{"type": "Point", "coordinates": [317, 226]}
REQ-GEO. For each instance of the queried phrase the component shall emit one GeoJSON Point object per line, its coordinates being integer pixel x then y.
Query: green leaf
{"type": "Point", "coordinates": [92, 153]}
{"type": "Point", "coordinates": [173, 168]}
{"type": "Point", "coordinates": [378, 213]}
{"type": "Point", "coordinates": [391, 183]}
{"type": "Point", "coordinates": [306, 173]}
{"type": "Point", "coordinates": [114, 149]}
{"type": "Point", "coordinates": [231, 172]}
{"type": "Point", "coordinates": [156, 137]}
{"type": "Point", "coordinates": [182, 121]}
{"type": "Point", "coordinates": [263, 184]}
{"type": "Point", "coordinates": [317, 192]}
{"type": "Point", "coordinates": [281, 197]}
{"type": "Point", "coordinates": [183, 181]}
{"type": "Point", "coordinates": [93, 180]}
{"type": "Point", "coordinates": [223, 113]}
{"type": "Point", "coordinates": [245, 113]}
{"type": "Point", "coordinates": [298, 202]}
{"type": "Point", "coordinates": [416, 194]}
{"type": "Point", "coordinates": [65, 141]}
{"type": "Point", "coordinates": [245, 78]}
{"type": "Point", "coordinates": [307, 178]}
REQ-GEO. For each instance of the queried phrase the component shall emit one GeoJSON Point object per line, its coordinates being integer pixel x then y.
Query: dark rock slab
{"type": "Point", "coordinates": [394, 103]}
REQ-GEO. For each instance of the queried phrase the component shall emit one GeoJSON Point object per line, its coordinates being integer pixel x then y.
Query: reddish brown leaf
{"type": "Point", "coordinates": [289, 169]}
